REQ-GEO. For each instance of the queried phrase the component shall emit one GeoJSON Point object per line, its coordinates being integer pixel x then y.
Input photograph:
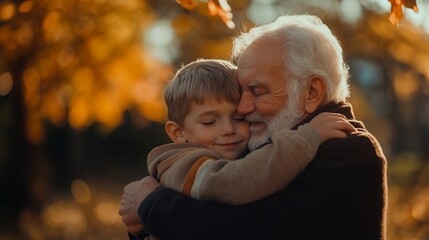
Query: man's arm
{"type": "Point", "coordinates": [177, 216]}
{"type": "Point", "coordinates": [166, 214]}
{"type": "Point", "coordinates": [341, 192]}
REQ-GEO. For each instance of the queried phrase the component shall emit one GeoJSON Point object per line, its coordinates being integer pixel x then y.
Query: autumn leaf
{"type": "Point", "coordinates": [223, 10]}
{"type": "Point", "coordinates": [396, 12]}
{"type": "Point", "coordinates": [187, 4]}
{"type": "Point", "coordinates": [216, 8]}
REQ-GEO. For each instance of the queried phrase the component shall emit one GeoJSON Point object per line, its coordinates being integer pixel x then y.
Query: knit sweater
{"type": "Point", "coordinates": [203, 174]}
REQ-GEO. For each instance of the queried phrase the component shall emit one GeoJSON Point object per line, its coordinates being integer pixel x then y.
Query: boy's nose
{"type": "Point", "coordinates": [229, 128]}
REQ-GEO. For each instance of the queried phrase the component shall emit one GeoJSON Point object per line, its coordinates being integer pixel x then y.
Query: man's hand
{"type": "Point", "coordinates": [133, 196]}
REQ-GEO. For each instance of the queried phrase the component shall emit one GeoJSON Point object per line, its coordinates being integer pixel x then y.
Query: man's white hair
{"type": "Point", "coordinates": [310, 49]}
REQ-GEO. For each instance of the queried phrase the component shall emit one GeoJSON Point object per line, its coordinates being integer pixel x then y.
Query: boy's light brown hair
{"type": "Point", "coordinates": [197, 81]}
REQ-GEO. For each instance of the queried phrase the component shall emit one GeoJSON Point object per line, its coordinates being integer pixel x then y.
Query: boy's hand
{"type": "Point", "coordinates": [331, 125]}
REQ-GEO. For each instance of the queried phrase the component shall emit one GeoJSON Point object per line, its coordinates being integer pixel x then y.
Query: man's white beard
{"type": "Point", "coordinates": [287, 117]}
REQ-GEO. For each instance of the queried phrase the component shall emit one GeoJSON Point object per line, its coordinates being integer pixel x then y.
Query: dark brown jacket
{"type": "Point", "coordinates": [341, 195]}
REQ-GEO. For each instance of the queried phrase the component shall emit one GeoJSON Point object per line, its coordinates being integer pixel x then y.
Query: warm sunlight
{"type": "Point", "coordinates": [82, 99]}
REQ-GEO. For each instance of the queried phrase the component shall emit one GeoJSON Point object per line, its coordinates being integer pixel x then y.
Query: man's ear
{"type": "Point", "coordinates": [175, 132]}
{"type": "Point", "coordinates": [315, 94]}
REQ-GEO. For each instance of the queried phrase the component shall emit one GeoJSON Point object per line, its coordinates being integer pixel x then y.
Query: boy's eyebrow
{"type": "Point", "coordinates": [210, 112]}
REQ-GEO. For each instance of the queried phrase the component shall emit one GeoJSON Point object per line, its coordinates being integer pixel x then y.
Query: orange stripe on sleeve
{"type": "Point", "coordinates": [190, 177]}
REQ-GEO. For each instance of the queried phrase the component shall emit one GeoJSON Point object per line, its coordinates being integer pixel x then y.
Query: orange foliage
{"type": "Point", "coordinates": [216, 8]}
{"type": "Point", "coordinates": [80, 66]}
{"type": "Point", "coordinates": [396, 13]}
{"type": "Point", "coordinates": [188, 4]}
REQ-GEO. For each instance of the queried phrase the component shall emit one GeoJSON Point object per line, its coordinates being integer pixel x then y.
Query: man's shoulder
{"type": "Point", "coordinates": [358, 147]}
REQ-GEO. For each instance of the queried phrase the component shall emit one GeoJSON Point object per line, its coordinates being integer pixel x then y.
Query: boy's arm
{"type": "Point", "coordinates": [269, 168]}
{"type": "Point", "coordinates": [262, 172]}
{"type": "Point", "coordinates": [172, 164]}
{"type": "Point", "coordinates": [200, 172]}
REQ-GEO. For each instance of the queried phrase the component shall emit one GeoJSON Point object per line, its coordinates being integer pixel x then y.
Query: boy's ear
{"type": "Point", "coordinates": [315, 94]}
{"type": "Point", "coordinates": [174, 131]}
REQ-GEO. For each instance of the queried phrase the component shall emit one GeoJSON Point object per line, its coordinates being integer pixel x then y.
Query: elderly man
{"type": "Point", "coordinates": [290, 71]}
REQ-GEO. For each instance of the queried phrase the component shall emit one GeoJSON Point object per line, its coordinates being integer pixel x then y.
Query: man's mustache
{"type": "Point", "coordinates": [254, 117]}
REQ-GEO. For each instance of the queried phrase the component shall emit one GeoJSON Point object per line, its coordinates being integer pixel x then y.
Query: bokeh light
{"type": "Point", "coordinates": [7, 11]}
{"type": "Point", "coordinates": [26, 6]}
{"type": "Point", "coordinates": [6, 83]}
{"type": "Point", "coordinates": [350, 11]}
{"type": "Point", "coordinates": [81, 191]}
{"type": "Point", "coordinates": [161, 41]}
{"type": "Point", "coordinates": [107, 213]}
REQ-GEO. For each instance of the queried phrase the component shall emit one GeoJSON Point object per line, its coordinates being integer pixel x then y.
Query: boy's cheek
{"type": "Point", "coordinates": [245, 132]}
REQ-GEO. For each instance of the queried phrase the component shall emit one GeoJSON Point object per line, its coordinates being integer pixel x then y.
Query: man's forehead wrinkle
{"type": "Point", "coordinates": [269, 57]}
{"type": "Point", "coordinates": [251, 63]}
{"type": "Point", "coordinates": [249, 55]}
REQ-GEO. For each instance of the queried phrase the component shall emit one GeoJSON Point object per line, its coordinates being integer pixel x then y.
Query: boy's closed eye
{"type": "Point", "coordinates": [207, 118]}
{"type": "Point", "coordinates": [208, 122]}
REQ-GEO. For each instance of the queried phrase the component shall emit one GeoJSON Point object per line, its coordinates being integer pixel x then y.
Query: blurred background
{"type": "Point", "coordinates": [81, 85]}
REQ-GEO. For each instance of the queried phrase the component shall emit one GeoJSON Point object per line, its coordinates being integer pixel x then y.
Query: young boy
{"type": "Point", "coordinates": [208, 133]}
